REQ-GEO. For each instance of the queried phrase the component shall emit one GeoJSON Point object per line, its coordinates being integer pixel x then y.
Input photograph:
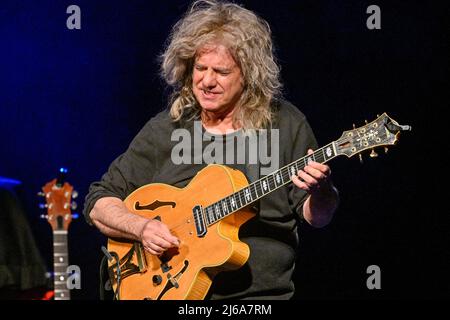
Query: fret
{"type": "Point", "coordinates": [60, 284]}
{"type": "Point", "coordinates": [233, 202]}
{"type": "Point", "coordinates": [241, 203]}
{"type": "Point", "coordinates": [248, 196]}
{"type": "Point", "coordinates": [208, 222]}
{"type": "Point", "coordinates": [210, 214]}
{"type": "Point", "coordinates": [292, 171]}
{"type": "Point", "coordinates": [62, 296]}
{"type": "Point", "coordinates": [264, 185]}
{"type": "Point", "coordinates": [321, 159]}
{"type": "Point", "coordinates": [224, 207]}
{"type": "Point", "coordinates": [272, 184]}
{"type": "Point", "coordinates": [60, 264]}
{"type": "Point", "coordinates": [60, 270]}
{"type": "Point", "coordinates": [278, 177]}
{"type": "Point", "coordinates": [260, 193]}
{"type": "Point", "coordinates": [286, 175]}
{"type": "Point", "coordinates": [328, 152]}
{"type": "Point", "coordinates": [317, 155]}
{"type": "Point", "coordinates": [310, 158]}
{"type": "Point", "coordinates": [228, 202]}
{"type": "Point", "coordinates": [217, 211]}
{"type": "Point", "coordinates": [254, 192]}
{"type": "Point", "coordinates": [304, 162]}
{"type": "Point", "coordinates": [261, 187]}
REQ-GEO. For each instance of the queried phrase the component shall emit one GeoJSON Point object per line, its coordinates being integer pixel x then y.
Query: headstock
{"type": "Point", "coordinates": [382, 132]}
{"type": "Point", "coordinates": [58, 196]}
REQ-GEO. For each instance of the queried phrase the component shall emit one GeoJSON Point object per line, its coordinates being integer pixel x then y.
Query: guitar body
{"type": "Point", "coordinates": [185, 272]}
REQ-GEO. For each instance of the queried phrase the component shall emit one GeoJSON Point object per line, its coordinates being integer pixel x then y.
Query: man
{"type": "Point", "coordinates": [220, 63]}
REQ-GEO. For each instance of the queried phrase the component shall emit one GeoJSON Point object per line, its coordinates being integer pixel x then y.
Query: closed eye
{"type": "Point", "coordinates": [200, 68]}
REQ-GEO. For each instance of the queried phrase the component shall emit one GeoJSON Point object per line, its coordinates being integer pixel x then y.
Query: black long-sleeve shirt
{"type": "Point", "coordinates": [272, 235]}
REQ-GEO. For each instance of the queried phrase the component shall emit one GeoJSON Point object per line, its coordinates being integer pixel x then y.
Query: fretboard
{"type": "Point", "coordinates": [60, 264]}
{"type": "Point", "coordinates": [264, 186]}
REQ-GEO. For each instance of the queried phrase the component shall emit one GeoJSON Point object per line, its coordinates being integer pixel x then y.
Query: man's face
{"type": "Point", "coordinates": [216, 79]}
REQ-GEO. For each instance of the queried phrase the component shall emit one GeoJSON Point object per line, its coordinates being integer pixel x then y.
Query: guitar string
{"type": "Point", "coordinates": [284, 171]}
{"type": "Point", "coordinates": [318, 156]}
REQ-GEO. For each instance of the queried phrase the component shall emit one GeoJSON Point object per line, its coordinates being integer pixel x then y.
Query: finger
{"type": "Point", "coordinates": [315, 173]}
{"type": "Point", "coordinates": [161, 242]}
{"type": "Point", "coordinates": [174, 241]}
{"type": "Point", "coordinates": [167, 235]}
{"type": "Point", "coordinates": [309, 180]}
{"type": "Point", "coordinates": [154, 249]}
{"type": "Point", "coordinates": [296, 180]}
{"type": "Point", "coordinates": [326, 170]}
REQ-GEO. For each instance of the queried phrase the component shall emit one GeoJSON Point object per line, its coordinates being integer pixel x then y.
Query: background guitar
{"type": "Point", "coordinates": [58, 196]}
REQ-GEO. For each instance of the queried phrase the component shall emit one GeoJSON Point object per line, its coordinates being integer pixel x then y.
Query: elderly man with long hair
{"type": "Point", "coordinates": [220, 64]}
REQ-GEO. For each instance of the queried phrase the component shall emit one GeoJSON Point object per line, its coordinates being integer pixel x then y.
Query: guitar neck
{"type": "Point", "coordinates": [60, 264]}
{"type": "Point", "coordinates": [262, 187]}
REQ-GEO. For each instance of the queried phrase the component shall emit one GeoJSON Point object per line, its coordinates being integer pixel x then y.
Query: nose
{"type": "Point", "coordinates": [209, 79]}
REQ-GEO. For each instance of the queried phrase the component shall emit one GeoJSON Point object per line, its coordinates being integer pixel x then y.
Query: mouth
{"type": "Point", "coordinates": [209, 94]}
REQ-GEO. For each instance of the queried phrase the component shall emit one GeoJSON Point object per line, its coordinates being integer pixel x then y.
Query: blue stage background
{"type": "Point", "coordinates": [76, 98]}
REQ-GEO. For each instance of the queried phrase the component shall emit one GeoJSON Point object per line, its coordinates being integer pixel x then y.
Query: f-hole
{"type": "Point", "coordinates": [154, 205]}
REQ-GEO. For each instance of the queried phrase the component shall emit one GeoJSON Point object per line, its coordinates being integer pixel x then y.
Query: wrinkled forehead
{"type": "Point", "coordinates": [217, 52]}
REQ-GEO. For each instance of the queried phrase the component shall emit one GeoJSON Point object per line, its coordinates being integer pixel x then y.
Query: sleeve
{"type": "Point", "coordinates": [303, 140]}
{"type": "Point", "coordinates": [127, 172]}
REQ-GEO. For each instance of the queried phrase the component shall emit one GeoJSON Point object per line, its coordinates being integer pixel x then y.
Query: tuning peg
{"type": "Point", "coordinates": [73, 205]}
{"type": "Point", "coordinates": [386, 149]}
{"type": "Point", "coordinates": [43, 205]}
{"type": "Point", "coordinates": [366, 121]}
{"type": "Point", "coordinates": [373, 154]}
{"type": "Point", "coordinates": [41, 194]}
{"type": "Point", "coordinates": [361, 158]}
{"type": "Point", "coordinates": [75, 215]}
{"type": "Point", "coordinates": [74, 194]}
{"type": "Point", "coordinates": [44, 216]}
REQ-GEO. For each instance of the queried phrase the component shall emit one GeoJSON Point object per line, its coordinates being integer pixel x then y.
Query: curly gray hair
{"type": "Point", "coordinates": [248, 38]}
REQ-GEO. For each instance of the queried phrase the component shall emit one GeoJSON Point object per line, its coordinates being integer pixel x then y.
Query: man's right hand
{"type": "Point", "coordinates": [114, 220]}
{"type": "Point", "coordinates": [156, 237]}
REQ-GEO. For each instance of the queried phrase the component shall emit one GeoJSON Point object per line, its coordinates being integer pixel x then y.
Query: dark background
{"type": "Point", "coordinates": [76, 98]}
